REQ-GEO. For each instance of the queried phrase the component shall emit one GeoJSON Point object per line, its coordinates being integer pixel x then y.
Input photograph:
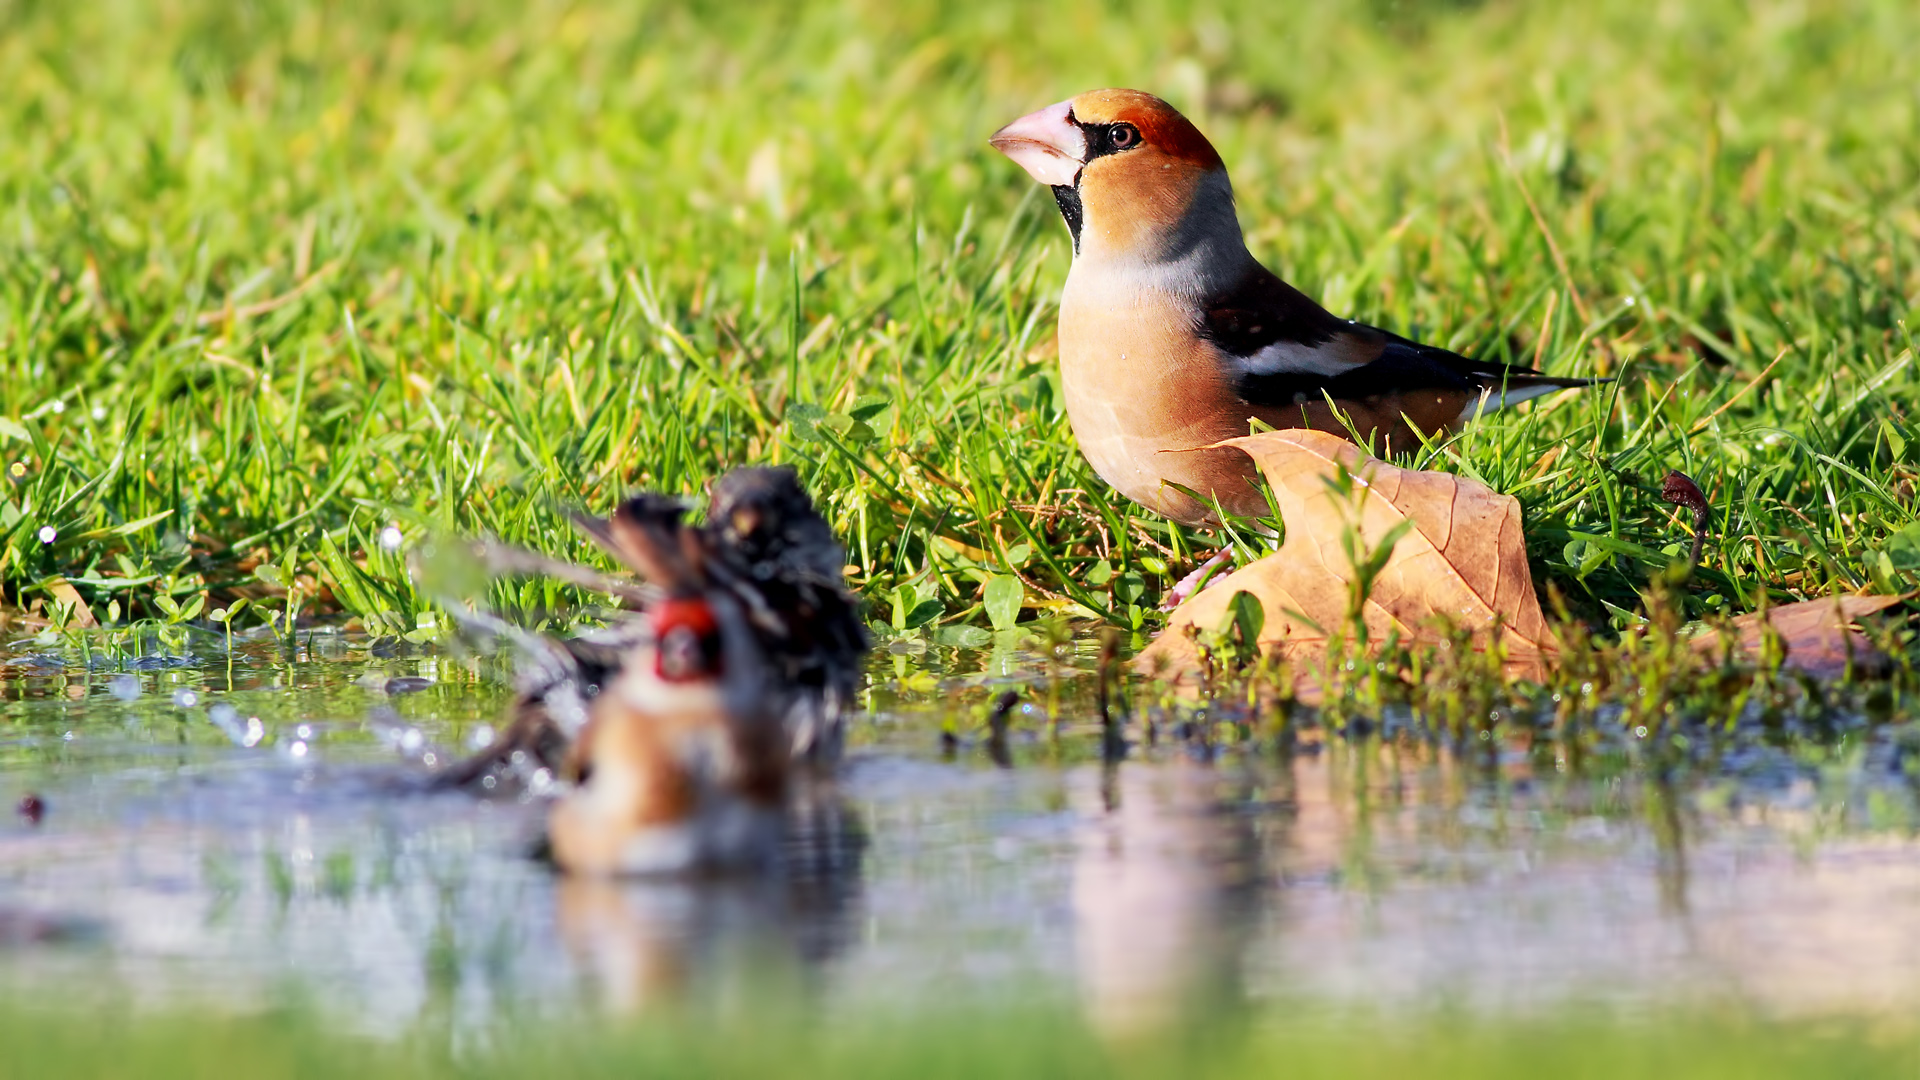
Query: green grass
{"type": "Point", "coordinates": [962, 1043]}
{"type": "Point", "coordinates": [278, 275]}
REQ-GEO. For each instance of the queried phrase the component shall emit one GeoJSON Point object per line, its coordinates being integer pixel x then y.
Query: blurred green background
{"type": "Point", "coordinates": [964, 1042]}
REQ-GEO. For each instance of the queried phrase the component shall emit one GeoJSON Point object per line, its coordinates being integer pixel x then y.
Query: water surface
{"type": "Point", "coordinates": [248, 830]}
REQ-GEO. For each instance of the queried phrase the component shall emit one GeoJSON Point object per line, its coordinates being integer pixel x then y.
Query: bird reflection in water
{"type": "Point", "coordinates": [643, 945]}
{"type": "Point", "coordinates": [1165, 885]}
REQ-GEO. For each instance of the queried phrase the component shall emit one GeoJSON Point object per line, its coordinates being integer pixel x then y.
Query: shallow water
{"type": "Point", "coordinates": [188, 855]}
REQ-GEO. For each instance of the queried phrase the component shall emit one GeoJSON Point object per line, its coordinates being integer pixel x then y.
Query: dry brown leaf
{"type": "Point", "coordinates": [1463, 561]}
{"type": "Point", "coordinates": [63, 591]}
{"type": "Point", "coordinates": [1818, 634]}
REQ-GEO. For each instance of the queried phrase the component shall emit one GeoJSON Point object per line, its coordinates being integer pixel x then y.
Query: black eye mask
{"type": "Point", "coordinates": [1102, 141]}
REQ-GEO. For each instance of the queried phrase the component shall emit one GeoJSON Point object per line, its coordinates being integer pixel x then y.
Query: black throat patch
{"type": "Point", "coordinates": [1069, 200]}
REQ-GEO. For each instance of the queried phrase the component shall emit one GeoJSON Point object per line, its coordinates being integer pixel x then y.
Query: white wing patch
{"type": "Point", "coordinates": [1492, 399]}
{"type": "Point", "coordinates": [1294, 358]}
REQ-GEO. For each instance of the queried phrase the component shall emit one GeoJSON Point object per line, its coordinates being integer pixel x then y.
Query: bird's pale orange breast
{"type": "Point", "coordinates": [1143, 394]}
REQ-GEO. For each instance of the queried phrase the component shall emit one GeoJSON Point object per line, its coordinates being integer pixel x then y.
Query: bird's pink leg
{"type": "Point", "coordinates": [1197, 581]}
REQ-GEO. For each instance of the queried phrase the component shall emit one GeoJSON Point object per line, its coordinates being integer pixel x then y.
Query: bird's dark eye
{"type": "Point", "coordinates": [1123, 136]}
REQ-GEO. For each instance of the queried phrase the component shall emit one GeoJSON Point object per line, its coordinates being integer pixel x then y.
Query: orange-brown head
{"type": "Point", "coordinates": [1133, 177]}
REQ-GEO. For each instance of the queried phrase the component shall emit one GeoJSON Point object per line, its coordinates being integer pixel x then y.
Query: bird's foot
{"type": "Point", "coordinates": [1196, 582]}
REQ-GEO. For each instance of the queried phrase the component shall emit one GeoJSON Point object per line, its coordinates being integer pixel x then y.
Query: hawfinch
{"type": "Point", "coordinates": [1172, 336]}
{"type": "Point", "coordinates": [682, 764]}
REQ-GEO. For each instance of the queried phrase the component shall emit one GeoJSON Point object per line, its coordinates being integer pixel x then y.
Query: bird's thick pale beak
{"type": "Point", "coordinates": [1048, 144]}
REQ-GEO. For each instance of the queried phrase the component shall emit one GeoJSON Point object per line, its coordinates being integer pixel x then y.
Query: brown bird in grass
{"type": "Point", "coordinates": [1172, 336]}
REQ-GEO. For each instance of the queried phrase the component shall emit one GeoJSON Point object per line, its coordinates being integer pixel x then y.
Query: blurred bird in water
{"type": "Point", "coordinates": [765, 544]}
{"type": "Point", "coordinates": [740, 669]}
{"type": "Point", "coordinates": [682, 763]}
{"type": "Point", "coordinates": [1172, 336]}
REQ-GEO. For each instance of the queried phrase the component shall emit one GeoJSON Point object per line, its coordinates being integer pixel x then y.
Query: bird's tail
{"type": "Point", "coordinates": [1499, 390]}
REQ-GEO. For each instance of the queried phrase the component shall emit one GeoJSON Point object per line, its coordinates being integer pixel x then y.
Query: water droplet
{"type": "Point", "coordinates": [297, 750]}
{"type": "Point", "coordinates": [540, 782]}
{"type": "Point", "coordinates": [184, 698]}
{"type": "Point", "coordinates": [59, 407]}
{"type": "Point", "coordinates": [411, 741]}
{"type": "Point", "coordinates": [99, 413]}
{"type": "Point", "coordinates": [48, 533]}
{"type": "Point", "coordinates": [1641, 731]}
{"type": "Point", "coordinates": [390, 538]}
{"type": "Point", "coordinates": [481, 737]}
{"type": "Point", "coordinates": [255, 732]}
{"type": "Point", "coordinates": [304, 731]}
{"type": "Point", "coordinates": [124, 687]}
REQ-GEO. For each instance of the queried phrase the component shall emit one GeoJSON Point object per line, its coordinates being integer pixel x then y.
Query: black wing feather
{"type": "Point", "coordinates": [1263, 311]}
